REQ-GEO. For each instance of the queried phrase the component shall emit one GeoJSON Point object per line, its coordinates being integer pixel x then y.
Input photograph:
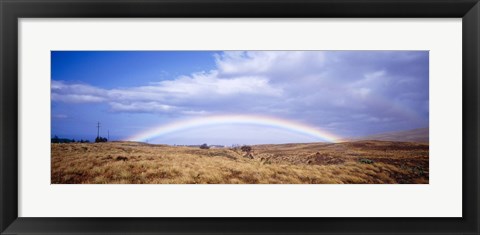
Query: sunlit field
{"type": "Point", "coordinates": [359, 162]}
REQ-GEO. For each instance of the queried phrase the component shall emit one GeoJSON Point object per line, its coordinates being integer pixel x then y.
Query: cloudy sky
{"type": "Point", "coordinates": [346, 93]}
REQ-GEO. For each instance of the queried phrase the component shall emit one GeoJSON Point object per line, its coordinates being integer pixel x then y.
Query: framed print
{"type": "Point", "coordinates": [239, 117]}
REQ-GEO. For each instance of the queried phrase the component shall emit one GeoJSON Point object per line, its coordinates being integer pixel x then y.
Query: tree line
{"type": "Point", "coordinates": [57, 139]}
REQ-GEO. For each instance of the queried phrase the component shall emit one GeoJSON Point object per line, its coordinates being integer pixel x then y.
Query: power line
{"type": "Point", "coordinates": [98, 129]}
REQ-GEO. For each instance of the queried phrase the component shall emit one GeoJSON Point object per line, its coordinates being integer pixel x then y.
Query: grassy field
{"type": "Point", "coordinates": [360, 162]}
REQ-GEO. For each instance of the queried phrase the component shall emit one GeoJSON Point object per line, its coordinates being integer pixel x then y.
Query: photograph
{"type": "Point", "coordinates": [240, 117]}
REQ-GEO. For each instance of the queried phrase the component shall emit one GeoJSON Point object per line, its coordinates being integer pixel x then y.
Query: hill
{"type": "Point", "coordinates": [420, 135]}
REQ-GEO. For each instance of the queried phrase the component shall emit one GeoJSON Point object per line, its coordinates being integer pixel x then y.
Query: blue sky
{"type": "Point", "coordinates": [348, 93]}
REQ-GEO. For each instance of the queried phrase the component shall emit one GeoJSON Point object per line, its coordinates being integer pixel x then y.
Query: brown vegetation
{"type": "Point", "coordinates": [361, 162]}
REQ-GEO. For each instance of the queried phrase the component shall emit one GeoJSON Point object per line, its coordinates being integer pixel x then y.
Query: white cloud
{"type": "Point", "coordinates": [374, 75]}
{"type": "Point", "coordinates": [211, 84]}
{"type": "Point", "coordinates": [76, 93]}
{"type": "Point", "coordinates": [77, 98]}
{"type": "Point", "coordinates": [274, 63]}
{"type": "Point", "coordinates": [140, 107]}
{"type": "Point", "coordinates": [204, 88]}
{"type": "Point", "coordinates": [195, 113]}
{"type": "Point", "coordinates": [59, 116]}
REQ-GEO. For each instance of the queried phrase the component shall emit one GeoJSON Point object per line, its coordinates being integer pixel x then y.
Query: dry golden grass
{"type": "Point", "coordinates": [362, 162]}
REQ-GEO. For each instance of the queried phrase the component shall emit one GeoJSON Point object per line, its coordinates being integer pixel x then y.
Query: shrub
{"type": "Point", "coordinates": [366, 161]}
{"type": "Point", "coordinates": [100, 139]}
{"type": "Point", "coordinates": [204, 146]}
{"type": "Point", "coordinates": [418, 170]}
{"type": "Point", "coordinates": [56, 139]}
{"type": "Point", "coordinates": [246, 148]}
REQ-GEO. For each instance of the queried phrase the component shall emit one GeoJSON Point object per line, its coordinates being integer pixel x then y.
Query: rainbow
{"type": "Point", "coordinates": [284, 124]}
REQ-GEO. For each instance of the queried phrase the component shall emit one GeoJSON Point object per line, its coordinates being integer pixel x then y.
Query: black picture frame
{"type": "Point", "coordinates": [12, 10]}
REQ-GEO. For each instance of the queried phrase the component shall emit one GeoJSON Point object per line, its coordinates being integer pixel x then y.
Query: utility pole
{"type": "Point", "coordinates": [108, 134]}
{"type": "Point", "coordinates": [98, 129]}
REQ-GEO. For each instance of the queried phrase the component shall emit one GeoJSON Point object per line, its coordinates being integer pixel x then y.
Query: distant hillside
{"type": "Point", "coordinates": [415, 135]}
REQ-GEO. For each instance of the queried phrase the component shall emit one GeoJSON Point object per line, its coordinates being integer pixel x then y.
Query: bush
{"type": "Point", "coordinates": [204, 146]}
{"type": "Point", "coordinates": [56, 139]}
{"type": "Point", "coordinates": [246, 148]}
{"type": "Point", "coordinates": [366, 161]}
{"type": "Point", "coordinates": [418, 170]}
{"type": "Point", "coordinates": [100, 139]}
